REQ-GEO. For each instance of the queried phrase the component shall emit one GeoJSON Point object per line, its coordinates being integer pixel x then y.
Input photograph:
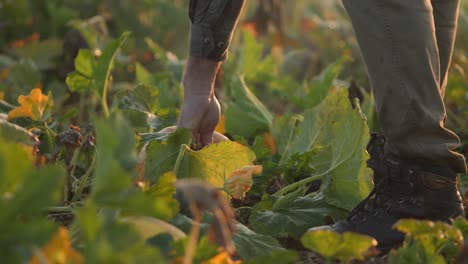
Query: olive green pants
{"type": "Point", "coordinates": [407, 47]}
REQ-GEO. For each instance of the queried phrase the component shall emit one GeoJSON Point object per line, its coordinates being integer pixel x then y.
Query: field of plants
{"type": "Point", "coordinates": [93, 171]}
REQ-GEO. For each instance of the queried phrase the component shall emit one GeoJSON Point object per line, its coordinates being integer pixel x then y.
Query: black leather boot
{"type": "Point", "coordinates": [402, 192]}
{"type": "Point", "coordinates": [376, 162]}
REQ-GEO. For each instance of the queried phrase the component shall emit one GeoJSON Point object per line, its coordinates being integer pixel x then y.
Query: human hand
{"type": "Point", "coordinates": [201, 115]}
{"type": "Point", "coordinates": [217, 137]}
{"type": "Point", "coordinates": [200, 110]}
{"type": "Point", "coordinates": [212, 26]}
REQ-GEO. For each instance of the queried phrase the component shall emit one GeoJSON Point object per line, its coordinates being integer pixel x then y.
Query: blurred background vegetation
{"type": "Point", "coordinates": [280, 48]}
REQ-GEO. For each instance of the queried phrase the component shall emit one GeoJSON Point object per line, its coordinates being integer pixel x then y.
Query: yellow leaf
{"type": "Point", "coordinates": [32, 105]}
{"type": "Point", "coordinates": [58, 250]}
{"type": "Point", "coordinates": [221, 258]}
{"type": "Point", "coordinates": [3, 75]}
{"type": "Point", "coordinates": [2, 95]}
{"type": "Point", "coordinates": [270, 143]}
{"type": "Point", "coordinates": [251, 27]}
{"type": "Point", "coordinates": [220, 127]}
{"type": "Point", "coordinates": [216, 161]}
{"type": "Point", "coordinates": [241, 181]}
{"type": "Point", "coordinates": [217, 138]}
{"type": "Point", "coordinates": [149, 227]}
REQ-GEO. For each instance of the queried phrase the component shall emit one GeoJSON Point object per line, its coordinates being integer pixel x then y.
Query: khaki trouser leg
{"type": "Point", "coordinates": [407, 45]}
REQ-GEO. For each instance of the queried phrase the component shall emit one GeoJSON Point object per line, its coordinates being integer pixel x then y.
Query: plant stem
{"type": "Point", "coordinates": [84, 180]}
{"type": "Point", "coordinates": [193, 236]}
{"type": "Point", "coordinates": [65, 191]}
{"type": "Point", "coordinates": [50, 129]}
{"type": "Point", "coordinates": [243, 207]}
{"type": "Point", "coordinates": [300, 183]}
{"type": "Point", "coordinates": [59, 209]}
{"type": "Point", "coordinates": [105, 107]}
{"type": "Point", "coordinates": [286, 149]}
{"type": "Point", "coordinates": [183, 147]}
{"type": "Point", "coordinates": [49, 133]}
{"type": "Point", "coordinates": [73, 162]}
{"type": "Point", "coordinates": [71, 176]}
{"type": "Point", "coordinates": [82, 107]}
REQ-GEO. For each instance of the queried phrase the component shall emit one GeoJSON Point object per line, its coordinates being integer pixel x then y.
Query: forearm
{"type": "Point", "coordinates": [213, 23]}
{"type": "Point", "coordinates": [199, 76]}
{"type": "Point", "coordinates": [212, 26]}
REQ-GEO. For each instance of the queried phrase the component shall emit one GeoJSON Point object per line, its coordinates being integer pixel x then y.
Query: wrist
{"type": "Point", "coordinates": [199, 77]}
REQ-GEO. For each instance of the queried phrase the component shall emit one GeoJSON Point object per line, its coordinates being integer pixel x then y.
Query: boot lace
{"type": "Point", "coordinates": [376, 201]}
{"type": "Point", "coordinates": [382, 197]}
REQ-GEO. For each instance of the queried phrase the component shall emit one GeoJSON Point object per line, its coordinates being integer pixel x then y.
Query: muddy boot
{"type": "Point", "coordinates": [403, 193]}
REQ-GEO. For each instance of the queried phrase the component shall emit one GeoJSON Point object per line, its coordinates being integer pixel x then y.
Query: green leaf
{"type": "Point", "coordinates": [412, 254]}
{"type": "Point", "coordinates": [83, 76]}
{"type": "Point", "coordinates": [143, 98]}
{"type": "Point", "coordinates": [205, 250]}
{"type": "Point", "coordinates": [251, 54]}
{"type": "Point", "coordinates": [409, 255]}
{"type": "Point", "coordinates": [252, 62]}
{"type": "Point", "coordinates": [92, 73]}
{"type": "Point", "coordinates": [246, 116]}
{"type": "Point", "coordinates": [101, 241]}
{"type": "Point", "coordinates": [421, 229]}
{"type": "Point", "coordinates": [320, 87]}
{"type": "Point", "coordinates": [162, 155]}
{"type": "Point", "coordinates": [250, 244]}
{"type": "Point", "coordinates": [22, 77]}
{"type": "Point", "coordinates": [6, 61]}
{"type": "Point", "coordinates": [148, 227]}
{"type": "Point", "coordinates": [462, 224]}
{"type": "Point", "coordinates": [368, 109]}
{"type": "Point", "coordinates": [14, 133]}
{"type": "Point", "coordinates": [292, 215]}
{"type": "Point", "coordinates": [434, 237]}
{"type": "Point", "coordinates": [113, 185]}
{"type": "Point", "coordinates": [143, 76]}
{"type": "Point", "coordinates": [284, 129]}
{"type": "Point", "coordinates": [349, 179]}
{"type": "Point", "coordinates": [91, 30]}
{"type": "Point", "coordinates": [25, 193]}
{"type": "Point", "coordinates": [78, 82]}
{"type": "Point", "coordinates": [336, 131]}
{"type": "Point", "coordinates": [116, 144]}
{"type": "Point", "coordinates": [300, 165]}
{"type": "Point", "coordinates": [216, 162]}
{"type": "Point", "coordinates": [157, 50]}
{"type": "Point", "coordinates": [143, 101]}
{"type": "Point", "coordinates": [85, 62]}
{"type": "Point", "coordinates": [185, 223]}
{"type": "Point", "coordinates": [41, 52]}
{"type": "Point", "coordinates": [277, 256]}
{"type": "Point", "coordinates": [106, 63]}
{"type": "Point", "coordinates": [344, 247]}
{"type": "Point", "coordinates": [163, 191]}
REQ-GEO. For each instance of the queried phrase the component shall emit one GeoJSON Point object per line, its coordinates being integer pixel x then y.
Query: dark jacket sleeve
{"type": "Point", "coordinates": [212, 26]}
